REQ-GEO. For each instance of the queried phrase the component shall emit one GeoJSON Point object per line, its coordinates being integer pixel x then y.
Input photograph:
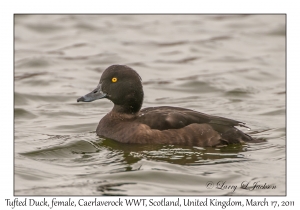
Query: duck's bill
{"type": "Point", "coordinates": [92, 96]}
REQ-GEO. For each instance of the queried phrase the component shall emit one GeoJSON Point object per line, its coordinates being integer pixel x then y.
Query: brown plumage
{"type": "Point", "coordinates": [156, 125]}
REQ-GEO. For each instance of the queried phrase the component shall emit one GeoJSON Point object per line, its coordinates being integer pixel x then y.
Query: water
{"type": "Point", "coordinates": [230, 66]}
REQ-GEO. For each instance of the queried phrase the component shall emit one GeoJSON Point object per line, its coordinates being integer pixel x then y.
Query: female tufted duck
{"type": "Point", "coordinates": [127, 123]}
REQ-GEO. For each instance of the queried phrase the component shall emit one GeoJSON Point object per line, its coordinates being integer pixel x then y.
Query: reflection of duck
{"type": "Point", "coordinates": [156, 125]}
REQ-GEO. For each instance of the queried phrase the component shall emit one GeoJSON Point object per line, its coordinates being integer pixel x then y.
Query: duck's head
{"type": "Point", "coordinates": [120, 84]}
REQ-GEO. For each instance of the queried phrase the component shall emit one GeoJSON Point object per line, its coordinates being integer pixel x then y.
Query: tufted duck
{"type": "Point", "coordinates": [128, 123]}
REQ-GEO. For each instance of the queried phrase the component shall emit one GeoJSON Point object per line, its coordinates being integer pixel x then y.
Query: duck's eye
{"type": "Point", "coordinates": [114, 79]}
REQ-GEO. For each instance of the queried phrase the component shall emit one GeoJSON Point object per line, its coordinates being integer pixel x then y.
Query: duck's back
{"type": "Point", "coordinates": [172, 125]}
{"type": "Point", "coordinates": [166, 117]}
{"type": "Point", "coordinates": [182, 121]}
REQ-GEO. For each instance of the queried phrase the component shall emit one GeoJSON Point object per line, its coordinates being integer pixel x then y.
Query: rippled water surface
{"type": "Point", "coordinates": [230, 66]}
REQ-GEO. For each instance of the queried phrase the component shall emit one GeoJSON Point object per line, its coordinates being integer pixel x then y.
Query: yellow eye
{"type": "Point", "coordinates": [114, 79]}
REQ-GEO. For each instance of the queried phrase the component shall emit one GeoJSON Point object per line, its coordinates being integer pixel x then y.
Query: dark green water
{"type": "Point", "coordinates": [230, 66]}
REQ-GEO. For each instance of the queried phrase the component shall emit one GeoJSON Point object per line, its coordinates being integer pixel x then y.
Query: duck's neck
{"type": "Point", "coordinates": [132, 107]}
{"type": "Point", "coordinates": [130, 102]}
{"type": "Point", "coordinates": [123, 110]}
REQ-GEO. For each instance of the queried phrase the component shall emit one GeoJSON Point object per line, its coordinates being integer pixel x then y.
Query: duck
{"type": "Point", "coordinates": [128, 123]}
